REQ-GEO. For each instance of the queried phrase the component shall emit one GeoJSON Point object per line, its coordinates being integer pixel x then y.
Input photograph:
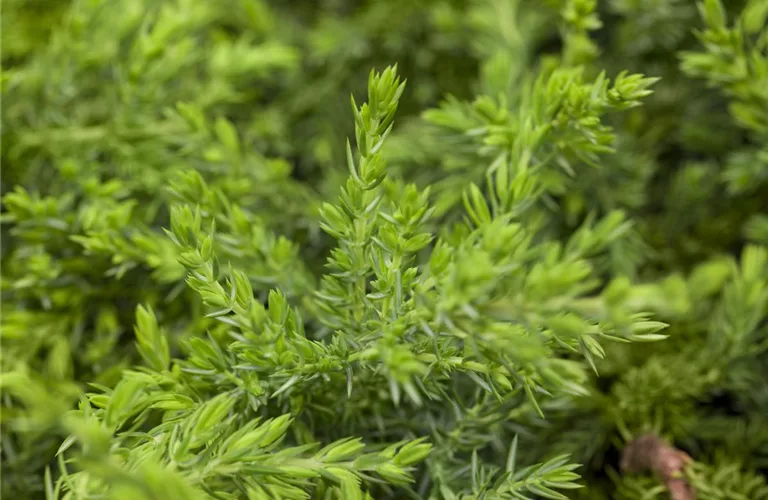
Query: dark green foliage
{"type": "Point", "coordinates": [223, 279]}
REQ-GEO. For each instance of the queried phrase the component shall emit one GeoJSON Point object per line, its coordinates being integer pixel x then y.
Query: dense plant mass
{"type": "Point", "coordinates": [534, 241]}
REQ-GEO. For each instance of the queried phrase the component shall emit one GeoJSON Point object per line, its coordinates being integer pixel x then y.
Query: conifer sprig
{"type": "Point", "coordinates": [208, 292]}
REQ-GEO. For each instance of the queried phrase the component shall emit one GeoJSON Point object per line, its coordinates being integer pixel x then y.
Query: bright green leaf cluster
{"type": "Point", "coordinates": [221, 282]}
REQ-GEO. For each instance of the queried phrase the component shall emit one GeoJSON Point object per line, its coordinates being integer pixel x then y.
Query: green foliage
{"type": "Point", "coordinates": [722, 481]}
{"type": "Point", "coordinates": [550, 240]}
